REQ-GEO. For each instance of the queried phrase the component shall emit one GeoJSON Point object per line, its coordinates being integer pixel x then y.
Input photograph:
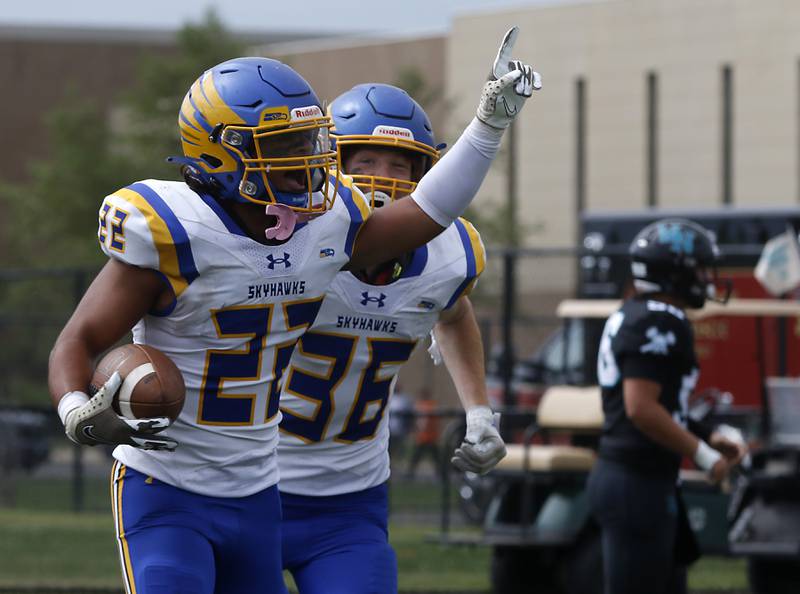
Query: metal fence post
{"type": "Point", "coordinates": [78, 491]}
{"type": "Point", "coordinates": [507, 358]}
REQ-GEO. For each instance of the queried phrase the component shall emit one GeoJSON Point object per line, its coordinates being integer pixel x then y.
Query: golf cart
{"type": "Point", "coordinates": [765, 506]}
{"type": "Point", "coordinates": [537, 519]}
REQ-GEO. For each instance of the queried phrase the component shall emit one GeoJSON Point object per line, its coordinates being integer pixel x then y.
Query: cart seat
{"type": "Point", "coordinates": [548, 458]}
{"type": "Point", "coordinates": [571, 409]}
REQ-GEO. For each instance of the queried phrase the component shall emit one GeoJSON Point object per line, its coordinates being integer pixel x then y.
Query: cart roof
{"type": "Point", "coordinates": [603, 308]}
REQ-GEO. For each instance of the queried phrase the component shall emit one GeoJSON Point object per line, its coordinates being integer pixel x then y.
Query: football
{"type": "Point", "coordinates": [152, 385]}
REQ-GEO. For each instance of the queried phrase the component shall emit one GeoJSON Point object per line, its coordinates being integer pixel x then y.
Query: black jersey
{"type": "Point", "coordinates": [650, 340]}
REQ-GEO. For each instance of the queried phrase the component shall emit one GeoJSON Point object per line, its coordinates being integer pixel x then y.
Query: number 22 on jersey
{"type": "Point", "coordinates": [251, 322]}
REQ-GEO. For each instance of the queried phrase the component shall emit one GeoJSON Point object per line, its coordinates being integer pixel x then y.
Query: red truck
{"type": "Point", "coordinates": [735, 352]}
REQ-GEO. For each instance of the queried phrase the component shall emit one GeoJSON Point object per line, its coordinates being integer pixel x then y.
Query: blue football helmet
{"type": "Point", "coordinates": [248, 122]}
{"type": "Point", "coordinates": [380, 115]}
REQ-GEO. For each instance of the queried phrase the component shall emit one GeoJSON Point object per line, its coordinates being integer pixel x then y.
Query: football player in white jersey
{"type": "Point", "coordinates": [223, 273]}
{"type": "Point", "coordinates": [333, 450]}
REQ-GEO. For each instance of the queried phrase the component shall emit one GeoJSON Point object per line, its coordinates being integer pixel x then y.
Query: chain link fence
{"type": "Point", "coordinates": [526, 346]}
{"type": "Point", "coordinates": [41, 469]}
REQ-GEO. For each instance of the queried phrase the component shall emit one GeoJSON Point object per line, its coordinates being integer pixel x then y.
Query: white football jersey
{"type": "Point", "coordinates": [334, 434]}
{"type": "Point", "coordinates": [239, 308]}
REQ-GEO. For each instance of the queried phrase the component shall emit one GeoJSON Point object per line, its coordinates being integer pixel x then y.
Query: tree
{"type": "Point", "coordinates": [52, 218]}
{"type": "Point", "coordinates": [56, 212]}
{"type": "Point", "coordinates": [151, 106]}
{"type": "Point", "coordinates": [95, 153]}
{"type": "Point", "coordinates": [411, 80]}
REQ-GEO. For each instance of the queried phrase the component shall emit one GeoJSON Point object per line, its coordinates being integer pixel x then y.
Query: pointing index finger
{"type": "Point", "coordinates": [503, 59]}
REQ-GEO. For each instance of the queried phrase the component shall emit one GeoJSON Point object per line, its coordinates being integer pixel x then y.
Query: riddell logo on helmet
{"type": "Point", "coordinates": [393, 132]}
{"type": "Point", "coordinates": [306, 113]}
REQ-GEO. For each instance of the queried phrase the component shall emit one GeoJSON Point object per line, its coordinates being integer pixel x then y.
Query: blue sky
{"type": "Point", "coordinates": [400, 16]}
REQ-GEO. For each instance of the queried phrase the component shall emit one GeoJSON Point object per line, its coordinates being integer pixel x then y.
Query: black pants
{"type": "Point", "coordinates": [638, 517]}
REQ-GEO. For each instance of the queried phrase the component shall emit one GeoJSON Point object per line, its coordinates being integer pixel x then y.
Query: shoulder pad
{"type": "Point", "coordinates": [356, 209]}
{"type": "Point", "coordinates": [136, 226]}
{"type": "Point", "coordinates": [475, 257]}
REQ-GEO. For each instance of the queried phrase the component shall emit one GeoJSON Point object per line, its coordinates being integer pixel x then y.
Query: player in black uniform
{"type": "Point", "coordinates": [647, 369]}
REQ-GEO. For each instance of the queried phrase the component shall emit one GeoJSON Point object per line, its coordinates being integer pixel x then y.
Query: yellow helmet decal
{"type": "Point", "coordinates": [203, 98]}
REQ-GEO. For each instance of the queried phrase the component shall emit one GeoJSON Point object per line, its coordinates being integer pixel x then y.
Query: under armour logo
{"type": "Point", "coordinates": [367, 298]}
{"type": "Point", "coordinates": [273, 260]}
{"type": "Point", "coordinates": [680, 241]}
{"type": "Point", "coordinates": [659, 343]}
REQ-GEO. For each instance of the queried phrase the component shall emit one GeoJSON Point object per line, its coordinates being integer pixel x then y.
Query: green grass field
{"type": "Point", "coordinates": [44, 544]}
{"type": "Point", "coordinates": [47, 548]}
{"type": "Point", "coordinates": [64, 549]}
{"type": "Point", "coordinates": [53, 494]}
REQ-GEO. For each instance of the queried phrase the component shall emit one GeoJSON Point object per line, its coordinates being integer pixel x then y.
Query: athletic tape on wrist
{"type": "Point", "coordinates": [705, 456]}
{"type": "Point", "coordinates": [480, 411]}
{"type": "Point", "coordinates": [69, 402]}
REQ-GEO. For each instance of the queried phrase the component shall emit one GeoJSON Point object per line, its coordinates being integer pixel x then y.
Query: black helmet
{"type": "Point", "coordinates": [676, 257]}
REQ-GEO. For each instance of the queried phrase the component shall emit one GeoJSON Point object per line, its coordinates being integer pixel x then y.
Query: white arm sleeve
{"type": "Point", "coordinates": [448, 188]}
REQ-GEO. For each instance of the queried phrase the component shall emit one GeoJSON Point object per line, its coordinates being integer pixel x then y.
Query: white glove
{"type": "Point", "coordinates": [95, 422]}
{"type": "Point", "coordinates": [434, 351]}
{"type": "Point", "coordinates": [482, 447]}
{"type": "Point", "coordinates": [510, 83]}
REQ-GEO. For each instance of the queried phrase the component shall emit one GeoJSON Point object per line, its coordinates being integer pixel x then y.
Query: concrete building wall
{"type": "Point", "coordinates": [39, 74]}
{"type": "Point", "coordinates": [333, 67]}
{"type": "Point", "coordinates": [40, 67]}
{"type": "Point", "coordinates": [612, 45]}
